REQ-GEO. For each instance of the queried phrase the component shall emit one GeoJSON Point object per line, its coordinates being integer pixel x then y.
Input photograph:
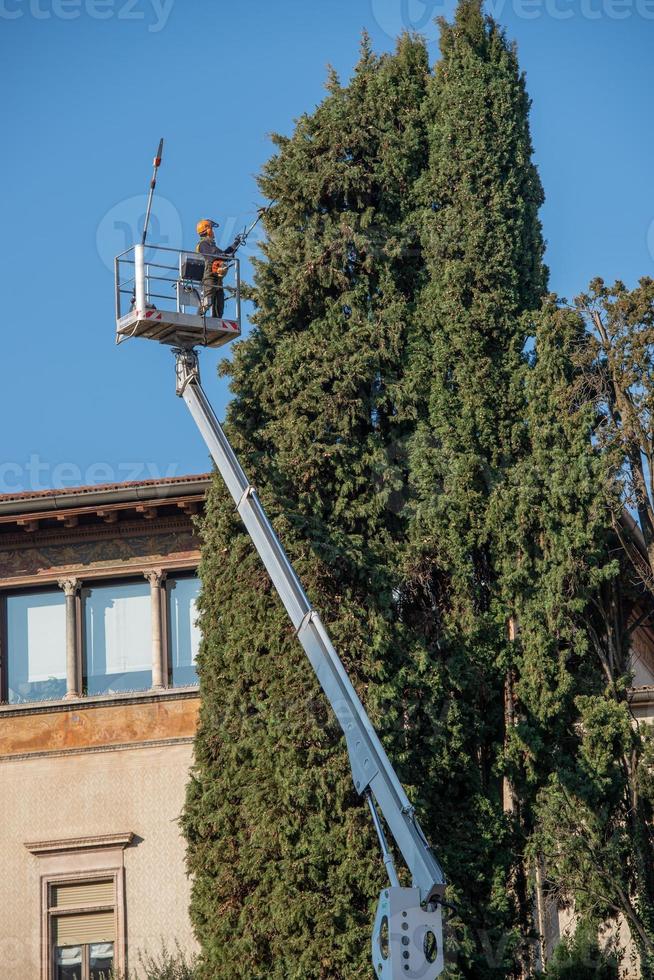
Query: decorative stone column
{"type": "Point", "coordinates": [156, 577]}
{"type": "Point", "coordinates": [73, 681]}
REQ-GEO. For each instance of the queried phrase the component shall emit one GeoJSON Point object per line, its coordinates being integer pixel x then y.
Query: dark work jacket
{"type": "Point", "coordinates": [208, 247]}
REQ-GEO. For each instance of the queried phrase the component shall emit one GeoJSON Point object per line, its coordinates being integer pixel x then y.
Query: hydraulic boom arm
{"type": "Point", "coordinates": [407, 940]}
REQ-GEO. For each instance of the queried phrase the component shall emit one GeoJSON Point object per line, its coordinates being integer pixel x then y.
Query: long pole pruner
{"type": "Point", "coordinates": [243, 236]}
{"type": "Point", "coordinates": [153, 184]}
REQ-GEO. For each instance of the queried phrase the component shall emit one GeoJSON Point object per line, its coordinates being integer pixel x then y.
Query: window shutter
{"type": "Point", "coordinates": [84, 893]}
{"type": "Point", "coordinates": [89, 927]}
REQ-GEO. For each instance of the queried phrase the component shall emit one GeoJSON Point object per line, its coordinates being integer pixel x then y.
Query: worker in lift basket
{"type": "Point", "coordinates": [215, 267]}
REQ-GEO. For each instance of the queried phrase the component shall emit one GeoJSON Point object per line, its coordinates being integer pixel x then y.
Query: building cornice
{"type": "Point", "coordinates": [98, 701]}
{"type": "Point", "coordinates": [45, 502]}
{"type": "Point", "coordinates": [109, 513]}
{"type": "Point", "coordinates": [65, 845]}
{"type": "Point", "coordinates": [125, 569]}
{"type": "Point", "coordinates": [641, 696]}
{"type": "Point", "coordinates": [155, 743]}
{"type": "Point", "coordinates": [19, 540]}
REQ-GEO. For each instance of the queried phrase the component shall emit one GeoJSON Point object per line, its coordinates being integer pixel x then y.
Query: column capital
{"type": "Point", "coordinates": [155, 576]}
{"type": "Point", "coordinates": [71, 586]}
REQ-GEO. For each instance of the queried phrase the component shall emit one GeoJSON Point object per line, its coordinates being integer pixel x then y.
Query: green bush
{"type": "Point", "coordinates": [579, 957]}
{"type": "Point", "coordinates": [165, 965]}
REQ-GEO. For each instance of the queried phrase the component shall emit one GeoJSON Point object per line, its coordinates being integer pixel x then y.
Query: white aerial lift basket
{"type": "Point", "coordinates": [159, 293]}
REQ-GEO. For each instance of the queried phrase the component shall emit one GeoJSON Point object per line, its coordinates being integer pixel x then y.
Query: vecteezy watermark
{"type": "Point", "coordinates": [567, 9]}
{"type": "Point", "coordinates": [395, 16]}
{"type": "Point", "coordinates": [36, 474]}
{"type": "Point", "coordinates": [122, 226]}
{"type": "Point", "coordinates": [154, 13]}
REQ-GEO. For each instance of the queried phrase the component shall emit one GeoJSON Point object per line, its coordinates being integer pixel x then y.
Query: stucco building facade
{"type": "Point", "coordinates": [98, 711]}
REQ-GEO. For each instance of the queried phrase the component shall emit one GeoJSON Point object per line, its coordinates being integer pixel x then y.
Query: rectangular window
{"type": "Point", "coordinates": [183, 631]}
{"type": "Point", "coordinates": [117, 638]}
{"type": "Point", "coordinates": [36, 646]}
{"type": "Point", "coordinates": [83, 930]}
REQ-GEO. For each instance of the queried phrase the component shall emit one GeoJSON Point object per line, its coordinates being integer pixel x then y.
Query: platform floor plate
{"type": "Point", "coordinates": [176, 329]}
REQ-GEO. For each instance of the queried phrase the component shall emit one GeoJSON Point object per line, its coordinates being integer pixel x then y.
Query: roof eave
{"type": "Point", "coordinates": [104, 497]}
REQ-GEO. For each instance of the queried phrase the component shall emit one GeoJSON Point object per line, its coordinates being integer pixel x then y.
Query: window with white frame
{"type": "Point", "coordinates": [35, 643]}
{"type": "Point", "coordinates": [117, 637]}
{"type": "Point", "coordinates": [183, 631]}
{"type": "Point", "coordinates": [82, 925]}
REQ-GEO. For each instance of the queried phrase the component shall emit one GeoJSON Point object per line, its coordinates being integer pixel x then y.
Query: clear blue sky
{"type": "Point", "coordinates": [90, 85]}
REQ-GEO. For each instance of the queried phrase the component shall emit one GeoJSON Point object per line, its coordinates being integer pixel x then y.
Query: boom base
{"type": "Point", "coordinates": [407, 939]}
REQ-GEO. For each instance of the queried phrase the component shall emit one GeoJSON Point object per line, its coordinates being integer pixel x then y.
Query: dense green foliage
{"type": "Point", "coordinates": [556, 561]}
{"type": "Point", "coordinates": [483, 258]}
{"type": "Point", "coordinates": [580, 957]}
{"type": "Point", "coordinates": [589, 580]}
{"type": "Point", "coordinates": [443, 452]}
{"type": "Point", "coordinates": [575, 751]}
{"type": "Point", "coordinates": [286, 866]}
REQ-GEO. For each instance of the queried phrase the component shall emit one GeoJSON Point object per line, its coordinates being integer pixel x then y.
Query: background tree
{"type": "Point", "coordinates": [581, 756]}
{"type": "Point", "coordinates": [285, 865]}
{"type": "Point", "coordinates": [617, 364]}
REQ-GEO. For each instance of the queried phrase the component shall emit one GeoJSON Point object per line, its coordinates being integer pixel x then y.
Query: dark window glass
{"type": "Point", "coordinates": [117, 638]}
{"type": "Point", "coordinates": [71, 960]}
{"type": "Point", "coordinates": [101, 961]}
{"type": "Point", "coordinates": [183, 632]}
{"type": "Point", "coordinates": [68, 962]}
{"type": "Point", "coordinates": [36, 641]}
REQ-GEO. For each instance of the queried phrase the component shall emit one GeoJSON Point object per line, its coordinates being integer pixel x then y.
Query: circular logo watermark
{"type": "Point", "coordinates": [396, 16]}
{"type": "Point", "coordinates": [122, 227]}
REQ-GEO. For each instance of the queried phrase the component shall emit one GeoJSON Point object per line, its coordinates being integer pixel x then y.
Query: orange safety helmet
{"type": "Point", "coordinates": [205, 226]}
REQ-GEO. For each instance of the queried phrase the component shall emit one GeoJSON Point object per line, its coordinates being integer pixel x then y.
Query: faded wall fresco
{"type": "Point", "coordinates": [41, 552]}
{"type": "Point", "coordinates": [81, 726]}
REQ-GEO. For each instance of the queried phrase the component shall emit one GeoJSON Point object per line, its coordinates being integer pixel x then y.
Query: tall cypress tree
{"type": "Point", "coordinates": [554, 524]}
{"type": "Point", "coordinates": [285, 864]}
{"type": "Point", "coordinates": [483, 252]}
